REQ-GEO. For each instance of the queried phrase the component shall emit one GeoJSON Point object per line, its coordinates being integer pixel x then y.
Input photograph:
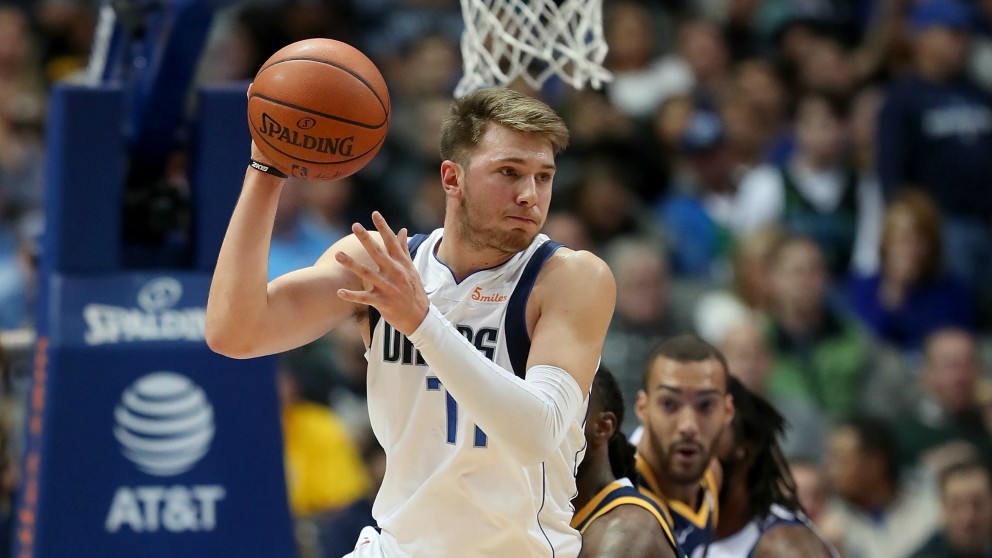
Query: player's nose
{"type": "Point", "coordinates": [688, 426]}
{"type": "Point", "coordinates": [527, 195]}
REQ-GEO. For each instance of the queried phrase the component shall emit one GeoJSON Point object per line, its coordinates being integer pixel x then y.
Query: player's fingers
{"type": "Point", "coordinates": [363, 271]}
{"type": "Point", "coordinates": [389, 239]}
{"type": "Point", "coordinates": [404, 244]}
{"type": "Point", "coordinates": [373, 248]}
{"type": "Point", "coordinates": [359, 297]}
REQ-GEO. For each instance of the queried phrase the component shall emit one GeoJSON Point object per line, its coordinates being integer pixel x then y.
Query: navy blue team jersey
{"type": "Point", "coordinates": [693, 529]}
{"type": "Point", "coordinates": [618, 493]}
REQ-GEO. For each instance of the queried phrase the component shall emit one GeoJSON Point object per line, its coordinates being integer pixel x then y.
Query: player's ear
{"type": "Point", "coordinates": [728, 403]}
{"type": "Point", "coordinates": [606, 425]}
{"type": "Point", "coordinates": [640, 407]}
{"type": "Point", "coordinates": [451, 176]}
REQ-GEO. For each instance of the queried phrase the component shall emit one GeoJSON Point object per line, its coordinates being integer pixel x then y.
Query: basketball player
{"type": "Point", "coordinates": [482, 338]}
{"type": "Point", "coordinates": [684, 408]}
{"type": "Point", "coordinates": [760, 515]}
{"type": "Point", "coordinates": [615, 519]}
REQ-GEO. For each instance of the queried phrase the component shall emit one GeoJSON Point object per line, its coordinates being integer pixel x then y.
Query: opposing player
{"type": "Point", "coordinates": [760, 515]}
{"type": "Point", "coordinates": [482, 338]}
{"type": "Point", "coordinates": [684, 408]}
{"type": "Point", "coordinates": [615, 519]}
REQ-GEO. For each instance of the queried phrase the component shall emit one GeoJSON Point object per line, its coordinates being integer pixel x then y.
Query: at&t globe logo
{"type": "Point", "coordinates": [164, 423]}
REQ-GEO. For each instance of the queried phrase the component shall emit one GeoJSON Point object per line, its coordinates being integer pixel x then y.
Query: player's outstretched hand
{"type": "Point", "coordinates": [393, 284]}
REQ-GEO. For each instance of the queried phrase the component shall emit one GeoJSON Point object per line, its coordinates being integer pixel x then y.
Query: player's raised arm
{"type": "Point", "coordinates": [247, 316]}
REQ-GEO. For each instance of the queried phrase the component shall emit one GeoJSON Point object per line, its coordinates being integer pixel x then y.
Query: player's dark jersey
{"type": "Point", "coordinates": [693, 529]}
{"type": "Point", "coordinates": [618, 493]}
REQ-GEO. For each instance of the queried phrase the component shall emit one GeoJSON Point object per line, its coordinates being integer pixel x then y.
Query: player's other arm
{"type": "Point", "coordinates": [247, 316]}
{"type": "Point", "coordinates": [573, 302]}
{"type": "Point", "coordinates": [788, 541]}
{"type": "Point", "coordinates": [625, 532]}
{"type": "Point", "coordinates": [576, 294]}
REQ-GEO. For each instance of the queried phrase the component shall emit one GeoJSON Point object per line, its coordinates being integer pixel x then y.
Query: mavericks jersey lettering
{"type": "Point", "coordinates": [450, 490]}
{"type": "Point", "coordinates": [693, 529]}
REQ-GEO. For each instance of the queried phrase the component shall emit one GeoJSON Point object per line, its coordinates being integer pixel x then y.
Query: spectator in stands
{"type": "Point", "coordinates": [324, 472]}
{"type": "Point", "coordinates": [944, 409]}
{"type": "Point", "coordinates": [980, 65]}
{"type": "Point", "coordinates": [816, 191]}
{"type": "Point", "coordinates": [760, 84]}
{"type": "Point", "coordinates": [935, 133]}
{"type": "Point", "coordinates": [642, 317]}
{"type": "Point", "coordinates": [22, 109]}
{"type": "Point", "coordinates": [911, 295]}
{"type": "Point", "coordinates": [871, 205]}
{"type": "Point", "coordinates": [298, 239]}
{"type": "Point", "coordinates": [737, 332]}
{"type": "Point", "coordinates": [881, 513]}
{"type": "Point", "coordinates": [642, 78]}
{"type": "Point", "coordinates": [827, 69]}
{"type": "Point", "coordinates": [820, 357]}
{"type": "Point", "coordinates": [812, 487]}
{"type": "Point", "coordinates": [702, 46]}
{"type": "Point", "coordinates": [966, 498]}
{"type": "Point", "coordinates": [697, 214]}
{"type": "Point", "coordinates": [605, 200]}
{"type": "Point", "coordinates": [752, 281]}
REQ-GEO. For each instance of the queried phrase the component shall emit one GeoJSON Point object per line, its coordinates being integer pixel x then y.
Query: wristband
{"type": "Point", "coordinates": [267, 169]}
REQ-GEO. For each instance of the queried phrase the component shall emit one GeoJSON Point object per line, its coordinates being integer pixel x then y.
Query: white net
{"type": "Point", "coordinates": [533, 40]}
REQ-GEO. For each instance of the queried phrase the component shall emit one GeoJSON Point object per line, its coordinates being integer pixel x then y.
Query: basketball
{"type": "Point", "coordinates": [319, 109]}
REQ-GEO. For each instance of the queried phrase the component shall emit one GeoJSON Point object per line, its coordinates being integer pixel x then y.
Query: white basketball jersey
{"type": "Point", "coordinates": [741, 544]}
{"type": "Point", "coordinates": [449, 489]}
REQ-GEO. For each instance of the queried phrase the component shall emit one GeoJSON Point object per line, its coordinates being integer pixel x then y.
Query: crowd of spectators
{"type": "Point", "coordinates": [805, 183]}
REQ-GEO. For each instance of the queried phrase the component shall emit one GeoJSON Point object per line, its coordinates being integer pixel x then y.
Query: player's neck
{"type": "Point", "coordinates": [464, 259]}
{"type": "Point", "coordinates": [591, 479]}
{"type": "Point", "coordinates": [734, 512]}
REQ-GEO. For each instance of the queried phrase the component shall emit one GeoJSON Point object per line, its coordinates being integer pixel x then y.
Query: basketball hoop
{"type": "Point", "coordinates": [534, 40]}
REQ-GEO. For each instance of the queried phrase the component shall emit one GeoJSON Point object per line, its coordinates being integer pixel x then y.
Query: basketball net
{"type": "Point", "coordinates": [532, 39]}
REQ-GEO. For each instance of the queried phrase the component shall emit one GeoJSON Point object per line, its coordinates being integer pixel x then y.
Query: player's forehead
{"type": "Point", "coordinates": [500, 143]}
{"type": "Point", "coordinates": [699, 376]}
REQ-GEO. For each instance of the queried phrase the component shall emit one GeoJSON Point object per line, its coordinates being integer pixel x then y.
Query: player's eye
{"type": "Point", "coordinates": [544, 177]}
{"type": "Point", "coordinates": [706, 406]}
{"type": "Point", "coordinates": [670, 405]}
{"type": "Point", "coordinates": [507, 171]}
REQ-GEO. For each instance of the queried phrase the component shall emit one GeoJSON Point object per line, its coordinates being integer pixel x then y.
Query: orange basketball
{"type": "Point", "coordinates": [319, 109]}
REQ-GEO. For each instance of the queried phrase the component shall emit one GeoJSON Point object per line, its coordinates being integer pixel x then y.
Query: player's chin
{"type": "Point", "coordinates": [515, 240]}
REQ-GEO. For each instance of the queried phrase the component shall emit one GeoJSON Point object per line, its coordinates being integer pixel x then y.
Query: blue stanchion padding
{"type": "Point", "coordinates": [144, 443]}
{"type": "Point", "coordinates": [218, 156]}
{"type": "Point", "coordinates": [85, 168]}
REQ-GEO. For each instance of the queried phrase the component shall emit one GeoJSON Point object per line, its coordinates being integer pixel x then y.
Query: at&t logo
{"type": "Point", "coordinates": [164, 424]}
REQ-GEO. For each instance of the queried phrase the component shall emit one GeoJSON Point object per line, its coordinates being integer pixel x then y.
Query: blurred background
{"type": "Point", "coordinates": [807, 184]}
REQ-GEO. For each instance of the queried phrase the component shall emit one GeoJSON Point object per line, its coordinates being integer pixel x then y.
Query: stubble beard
{"type": "Point", "coordinates": [481, 237]}
{"type": "Point", "coordinates": [667, 457]}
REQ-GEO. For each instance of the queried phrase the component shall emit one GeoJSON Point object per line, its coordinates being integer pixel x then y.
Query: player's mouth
{"type": "Point", "coordinates": [688, 452]}
{"type": "Point", "coordinates": [523, 219]}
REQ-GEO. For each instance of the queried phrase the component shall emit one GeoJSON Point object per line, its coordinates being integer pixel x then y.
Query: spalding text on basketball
{"type": "Point", "coordinates": [333, 146]}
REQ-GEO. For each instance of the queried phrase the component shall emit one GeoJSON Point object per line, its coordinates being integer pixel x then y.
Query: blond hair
{"type": "Point", "coordinates": [467, 118]}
